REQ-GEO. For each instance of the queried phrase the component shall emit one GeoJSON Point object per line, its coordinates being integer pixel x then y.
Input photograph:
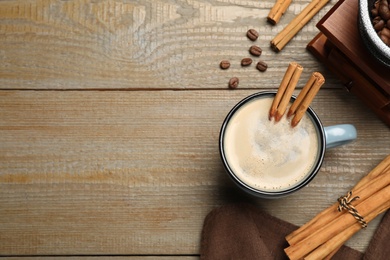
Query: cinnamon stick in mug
{"type": "Point", "coordinates": [305, 97]}
{"type": "Point", "coordinates": [286, 88]}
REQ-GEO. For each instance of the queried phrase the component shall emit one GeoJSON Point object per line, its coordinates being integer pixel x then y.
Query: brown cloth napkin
{"type": "Point", "coordinates": [379, 247]}
{"type": "Point", "coordinates": [243, 231]}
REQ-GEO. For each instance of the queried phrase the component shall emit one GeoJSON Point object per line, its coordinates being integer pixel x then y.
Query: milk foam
{"type": "Point", "coordinates": [266, 155]}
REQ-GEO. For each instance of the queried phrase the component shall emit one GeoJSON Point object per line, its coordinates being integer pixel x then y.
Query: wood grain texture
{"type": "Point", "coordinates": [149, 44]}
{"type": "Point", "coordinates": [136, 172]}
{"type": "Point", "coordinates": [103, 257]}
{"type": "Point", "coordinates": [109, 121]}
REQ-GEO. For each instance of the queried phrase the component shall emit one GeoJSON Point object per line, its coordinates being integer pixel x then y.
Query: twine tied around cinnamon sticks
{"type": "Point", "coordinates": [345, 203]}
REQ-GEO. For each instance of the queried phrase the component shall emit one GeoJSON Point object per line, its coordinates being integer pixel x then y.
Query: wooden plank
{"type": "Point", "coordinates": [136, 172]}
{"type": "Point", "coordinates": [156, 257]}
{"type": "Point", "coordinates": [151, 44]}
{"type": "Point", "coordinates": [105, 257]}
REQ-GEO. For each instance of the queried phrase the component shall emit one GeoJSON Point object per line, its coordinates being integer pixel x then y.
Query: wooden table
{"type": "Point", "coordinates": [109, 120]}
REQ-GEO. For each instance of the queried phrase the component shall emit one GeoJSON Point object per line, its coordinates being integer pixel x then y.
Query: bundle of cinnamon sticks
{"type": "Point", "coordinates": [321, 237]}
{"type": "Point", "coordinates": [286, 88]}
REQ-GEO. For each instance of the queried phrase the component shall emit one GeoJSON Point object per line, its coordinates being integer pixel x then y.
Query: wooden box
{"type": "Point", "coordinates": [340, 47]}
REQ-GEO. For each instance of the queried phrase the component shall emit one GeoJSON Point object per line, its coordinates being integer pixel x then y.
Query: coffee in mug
{"type": "Point", "coordinates": [267, 155]}
{"type": "Point", "coordinates": [268, 158]}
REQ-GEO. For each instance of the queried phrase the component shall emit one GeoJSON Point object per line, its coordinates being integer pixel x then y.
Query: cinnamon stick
{"type": "Point", "coordinates": [331, 212]}
{"type": "Point", "coordinates": [282, 88]}
{"type": "Point", "coordinates": [302, 95]}
{"type": "Point", "coordinates": [296, 24]}
{"type": "Point", "coordinates": [383, 166]}
{"type": "Point", "coordinates": [282, 107]}
{"type": "Point", "coordinates": [305, 97]}
{"type": "Point", "coordinates": [278, 10]}
{"type": "Point", "coordinates": [370, 205]}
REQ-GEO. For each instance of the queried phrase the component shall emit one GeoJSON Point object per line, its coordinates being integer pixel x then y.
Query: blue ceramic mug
{"type": "Point", "coordinates": [272, 160]}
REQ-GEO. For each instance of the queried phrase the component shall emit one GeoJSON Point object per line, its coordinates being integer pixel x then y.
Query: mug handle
{"type": "Point", "coordinates": [337, 135]}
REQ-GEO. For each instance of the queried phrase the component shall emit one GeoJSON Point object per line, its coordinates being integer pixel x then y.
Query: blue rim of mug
{"type": "Point", "coordinates": [272, 194]}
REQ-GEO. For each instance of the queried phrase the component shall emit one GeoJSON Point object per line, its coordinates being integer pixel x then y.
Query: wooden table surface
{"type": "Point", "coordinates": [110, 113]}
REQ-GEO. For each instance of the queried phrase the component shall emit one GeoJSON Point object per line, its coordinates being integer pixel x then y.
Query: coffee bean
{"type": "Point", "coordinates": [261, 66]}
{"type": "Point", "coordinates": [246, 61]}
{"type": "Point", "coordinates": [378, 26]}
{"type": "Point", "coordinates": [233, 82]}
{"type": "Point", "coordinates": [376, 4]}
{"type": "Point", "coordinates": [385, 39]}
{"type": "Point", "coordinates": [374, 12]}
{"type": "Point", "coordinates": [225, 64]}
{"type": "Point", "coordinates": [376, 19]}
{"type": "Point", "coordinates": [252, 34]}
{"type": "Point", "coordinates": [255, 50]}
{"type": "Point", "coordinates": [385, 32]}
{"type": "Point", "coordinates": [383, 10]}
